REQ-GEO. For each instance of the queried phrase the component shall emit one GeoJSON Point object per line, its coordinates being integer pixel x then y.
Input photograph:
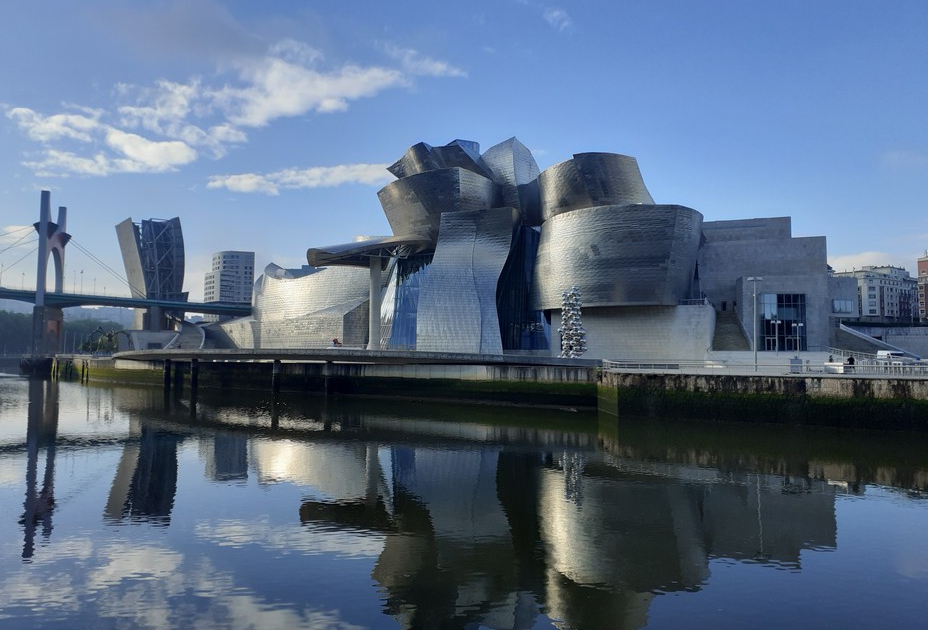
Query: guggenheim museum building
{"type": "Point", "coordinates": [484, 247]}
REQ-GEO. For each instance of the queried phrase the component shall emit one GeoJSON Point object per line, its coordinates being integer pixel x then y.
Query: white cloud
{"type": "Point", "coordinates": [292, 178]}
{"type": "Point", "coordinates": [166, 106]}
{"type": "Point", "coordinates": [10, 234]}
{"type": "Point", "coordinates": [58, 126]}
{"type": "Point", "coordinates": [63, 163]}
{"type": "Point", "coordinates": [277, 88]}
{"type": "Point", "coordinates": [170, 124]}
{"type": "Point", "coordinates": [246, 183]}
{"type": "Point", "coordinates": [558, 18]}
{"type": "Point", "coordinates": [296, 52]}
{"type": "Point", "coordinates": [414, 63]}
{"type": "Point", "coordinates": [146, 155]}
{"type": "Point", "coordinates": [850, 262]}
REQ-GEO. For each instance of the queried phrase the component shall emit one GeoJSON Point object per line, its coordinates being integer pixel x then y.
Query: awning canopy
{"type": "Point", "coordinates": [359, 253]}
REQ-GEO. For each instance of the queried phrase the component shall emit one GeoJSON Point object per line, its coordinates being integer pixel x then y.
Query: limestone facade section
{"type": "Point", "coordinates": [645, 333]}
{"type": "Point", "coordinates": [734, 251]}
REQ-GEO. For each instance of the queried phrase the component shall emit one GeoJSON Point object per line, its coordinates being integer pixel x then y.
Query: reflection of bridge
{"type": "Point", "coordinates": [66, 300]}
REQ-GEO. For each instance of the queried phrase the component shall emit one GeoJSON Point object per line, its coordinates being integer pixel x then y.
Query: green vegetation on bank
{"type": "Point", "coordinates": [81, 334]}
{"type": "Point", "coordinates": [896, 414]}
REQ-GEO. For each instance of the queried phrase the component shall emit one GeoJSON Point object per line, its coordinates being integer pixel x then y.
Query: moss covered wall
{"type": "Point", "coordinates": [897, 404]}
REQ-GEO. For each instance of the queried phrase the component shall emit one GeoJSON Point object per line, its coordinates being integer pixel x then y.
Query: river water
{"type": "Point", "coordinates": [121, 509]}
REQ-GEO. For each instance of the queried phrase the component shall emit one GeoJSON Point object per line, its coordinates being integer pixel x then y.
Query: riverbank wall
{"type": "Point", "coordinates": [543, 385]}
{"type": "Point", "coordinates": [802, 399]}
{"type": "Point", "coordinates": [806, 398]}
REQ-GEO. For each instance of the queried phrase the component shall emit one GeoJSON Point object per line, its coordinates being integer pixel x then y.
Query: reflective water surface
{"type": "Point", "coordinates": [120, 509]}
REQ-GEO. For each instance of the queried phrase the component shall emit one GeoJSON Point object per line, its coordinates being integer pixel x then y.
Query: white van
{"type": "Point", "coordinates": [893, 357]}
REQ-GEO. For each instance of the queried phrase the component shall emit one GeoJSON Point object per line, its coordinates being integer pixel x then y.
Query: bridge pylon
{"type": "Point", "coordinates": [48, 321]}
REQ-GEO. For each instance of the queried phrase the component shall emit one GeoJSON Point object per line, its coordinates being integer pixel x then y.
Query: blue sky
{"type": "Point", "coordinates": [266, 126]}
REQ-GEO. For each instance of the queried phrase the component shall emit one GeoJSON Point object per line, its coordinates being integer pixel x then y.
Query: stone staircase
{"type": "Point", "coordinates": [728, 333]}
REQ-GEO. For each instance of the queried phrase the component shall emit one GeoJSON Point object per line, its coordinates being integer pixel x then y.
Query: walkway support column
{"type": "Point", "coordinates": [194, 375]}
{"type": "Point", "coordinates": [167, 376]}
{"type": "Point", "coordinates": [178, 379]}
{"type": "Point", "coordinates": [275, 378]}
{"type": "Point", "coordinates": [373, 335]}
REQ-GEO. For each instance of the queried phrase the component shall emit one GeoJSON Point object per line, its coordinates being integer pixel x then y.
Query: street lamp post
{"type": "Point", "coordinates": [754, 280]}
{"type": "Point", "coordinates": [82, 281]}
{"type": "Point", "coordinates": [797, 327]}
{"type": "Point", "coordinates": [776, 335]}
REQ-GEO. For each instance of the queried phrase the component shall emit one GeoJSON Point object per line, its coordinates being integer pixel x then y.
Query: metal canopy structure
{"type": "Point", "coordinates": [359, 253]}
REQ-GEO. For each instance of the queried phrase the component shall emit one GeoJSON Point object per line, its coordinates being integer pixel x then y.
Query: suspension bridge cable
{"type": "Point", "coordinates": [106, 267]}
{"type": "Point", "coordinates": [15, 243]}
{"type": "Point", "coordinates": [21, 229]}
{"type": "Point", "coordinates": [20, 259]}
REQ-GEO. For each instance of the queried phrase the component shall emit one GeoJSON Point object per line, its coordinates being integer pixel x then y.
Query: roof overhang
{"type": "Point", "coordinates": [359, 253]}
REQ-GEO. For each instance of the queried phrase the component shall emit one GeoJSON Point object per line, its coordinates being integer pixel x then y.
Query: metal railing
{"type": "Point", "coordinates": [663, 365]}
{"type": "Point", "coordinates": [867, 367]}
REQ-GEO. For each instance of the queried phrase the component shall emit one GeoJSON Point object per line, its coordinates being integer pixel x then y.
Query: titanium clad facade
{"type": "Point", "coordinates": [618, 256]}
{"type": "Point", "coordinates": [483, 246]}
{"type": "Point", "coordinates": [457, 303]}
{"type": "Point", "coordinates": [514, 168]}
{"type": "Point", "coordinates": [591, 179]}
{"type": "Point", "coordinates": [308, 307]}
{"type": "Point", "coordinates": [422, 157]}
{"type": "Point", "coordinates": [414, 204]}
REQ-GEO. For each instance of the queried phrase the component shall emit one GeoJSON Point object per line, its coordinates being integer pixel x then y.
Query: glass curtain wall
{"type": "Point", "coordinates": [521, 328]}
{"type": "Point", "coordinates": [783, 322]}
{"type": "Point", "coordinates": [409, 274]}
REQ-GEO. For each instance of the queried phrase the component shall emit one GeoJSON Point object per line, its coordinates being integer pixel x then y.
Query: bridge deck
{"type": "Point", "coordinates": [66, 300]}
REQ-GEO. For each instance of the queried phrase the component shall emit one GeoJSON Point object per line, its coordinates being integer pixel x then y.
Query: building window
{"type": "Point", "coordinates": [842, 306]}
{"type": "Point", "coordinates": [782, 321]}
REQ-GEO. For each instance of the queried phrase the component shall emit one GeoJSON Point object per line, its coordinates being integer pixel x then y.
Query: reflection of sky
{"type": "Point", "coordinates": [237, 555]}
{"type": "Point", "coordinates": [138, 586]}
{"type": "Point", "coordinates": [234, 556]}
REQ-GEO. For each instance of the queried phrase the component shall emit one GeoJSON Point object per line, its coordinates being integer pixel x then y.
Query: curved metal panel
{"type": "Point", "coordinates": [618, 255]}
{"type": "Point", "coordinates": [422, 157]}
{"type": "Point", "coordinates": [306, 308]}
{"type": "Point", "coordinates": [417, 159]}
{"type": "Point", "coordinates": [591, 179]}
{"type": "Point", "coordinates": [457, 301]}
{"type": "Point", "coordinates": [414, 204]}
{"type": "Point", "coordinates": [514, 168]}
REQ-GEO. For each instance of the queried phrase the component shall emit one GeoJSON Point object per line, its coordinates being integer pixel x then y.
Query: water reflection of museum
{"type": "Point", "coordinates": [506, 528]}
